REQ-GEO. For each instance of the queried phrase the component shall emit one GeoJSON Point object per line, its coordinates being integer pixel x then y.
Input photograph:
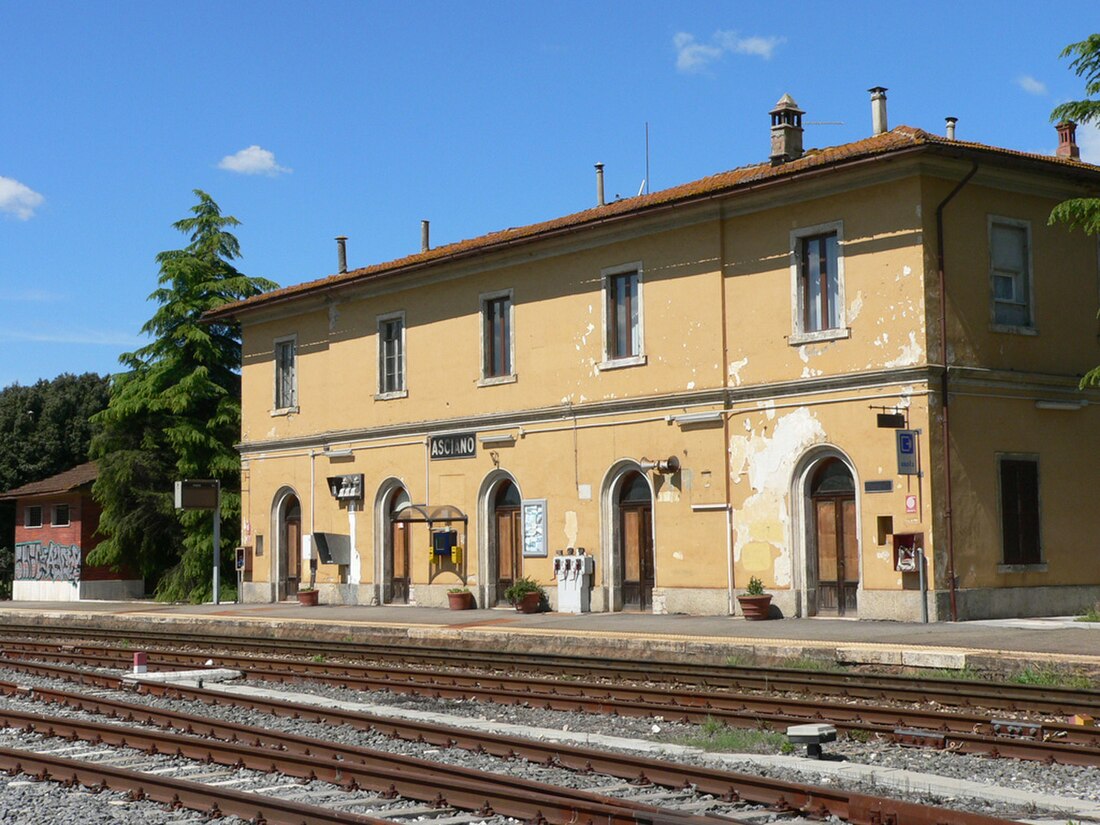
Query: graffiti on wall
{"type": "Point", "coordinates": [52, 563]}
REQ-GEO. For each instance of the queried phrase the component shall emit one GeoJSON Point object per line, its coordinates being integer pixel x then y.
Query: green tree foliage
{"type": "Point", "coordinates": [175, 413]}
{"type": "Point", "coordinates": [1082, 213]}
{"type": "Point", "coordinates": [44, 429]}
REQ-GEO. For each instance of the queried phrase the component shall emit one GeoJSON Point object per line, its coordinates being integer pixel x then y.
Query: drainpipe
{"type": "Point", "coordinates": [946, 428]}
{"type": "Point", "coordinates": [730, 579]}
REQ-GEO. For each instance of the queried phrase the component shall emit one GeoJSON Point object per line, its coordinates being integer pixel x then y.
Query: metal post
{"type": "Point", "coordinates": [218, 543]}
{"type": "Point", "coordinates": [923, 588]}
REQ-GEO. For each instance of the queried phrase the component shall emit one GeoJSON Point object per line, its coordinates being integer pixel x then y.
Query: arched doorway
{"type": "Point", "coordinates": [634, 541]}
{"type": "Point", "coordinates": [396, 563]}
{"type": "Point", "coordinates": [834, 533]}
{"type": "Point", "coordinates": [506, 539]}
{"type": "Point", "coordinates": [290, 545]}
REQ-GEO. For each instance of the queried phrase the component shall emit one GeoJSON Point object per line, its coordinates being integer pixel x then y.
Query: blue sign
{"type": "Point", "coordinates": [908, 465]}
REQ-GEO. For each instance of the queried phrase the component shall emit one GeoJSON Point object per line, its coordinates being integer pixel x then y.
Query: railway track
{"type": "Point", "coordinates": [968, 733]}
{"type": "Point", "coordinates": [1011, 698]}
{"type": "Point", "coordinates": [260, 748]}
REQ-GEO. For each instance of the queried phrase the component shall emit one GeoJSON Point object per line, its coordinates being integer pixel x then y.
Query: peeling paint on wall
{"type": "Point", "coordinates": [909, 354]}
{"type": "Point", "coordinates": [856, 307]}
{"type": "Point", "coordinates": [570, 528]}
{"type": "Point", "coordinates": [735, 370]}
{"type": "Point", "coordinates": [762, 540]}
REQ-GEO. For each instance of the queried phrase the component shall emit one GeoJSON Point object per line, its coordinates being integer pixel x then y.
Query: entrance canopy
{"type": "Point", "coordinates": [425, 514]}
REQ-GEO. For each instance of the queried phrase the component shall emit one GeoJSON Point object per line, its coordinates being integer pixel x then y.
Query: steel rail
{"type": "Point", "coordinates": [425, 782]}
{"type": "Point", "coordinates": [855, 808]}
{"type": "Point", "coordinates": [177, 793]}
{"type": "Point", "coordinates": [1053, 700]}
{"type": "Point", "coordinates": [1055, 742]}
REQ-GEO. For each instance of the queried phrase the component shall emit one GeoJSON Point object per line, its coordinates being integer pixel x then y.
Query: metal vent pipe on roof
{"type": "Point", "coordinates": [878, 110]}
{"type": "Point", "coordinates": [342, 252]}
{"type": "Point", "coordinates": [599, 185]}
{"type": "Point", "coordinates": [951, 121]}
{"type": "Point", "coordinates": [425, 242]}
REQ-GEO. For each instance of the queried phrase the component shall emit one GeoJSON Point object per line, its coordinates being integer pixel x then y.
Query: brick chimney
{"type": "Point", "coordinates": [786, 131]}
{"type": "Point", "coordinates": [1067, 140]}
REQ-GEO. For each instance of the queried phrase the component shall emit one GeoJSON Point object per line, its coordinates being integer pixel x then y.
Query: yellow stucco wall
{"type": "Point", "coordinates": [576, 422]}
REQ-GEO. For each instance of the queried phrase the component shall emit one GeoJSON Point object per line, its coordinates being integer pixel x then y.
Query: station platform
{"type": "Point", "coordinates": [993, 646]}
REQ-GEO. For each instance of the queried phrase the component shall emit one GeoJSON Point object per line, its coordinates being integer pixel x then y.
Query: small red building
{"type": "Point", "coordinates": [56, 521]}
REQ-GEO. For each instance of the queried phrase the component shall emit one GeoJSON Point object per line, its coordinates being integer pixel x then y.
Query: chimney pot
{"type": "Point", "coordinates": [599, 185]}
{"type": "Point", "coordinates": [342, 252]}
{"type": "Point", "coordinates": [878, 110]}
{"type": "Point", "coordinates": [951, 121]}
{"type": "Point", "coordinates": [425, 241]}
{"type": "Point", "coordinates": [786, 131]}
{"type": "Point", "coordinates": [1067, 140]}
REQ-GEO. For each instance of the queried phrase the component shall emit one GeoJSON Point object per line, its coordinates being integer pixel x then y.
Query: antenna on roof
{"type": "Point", "coordinates": [824, 122]}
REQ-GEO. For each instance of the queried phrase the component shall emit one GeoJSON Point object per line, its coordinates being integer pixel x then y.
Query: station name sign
{"type": "Point", "coordinates": [453, 445]}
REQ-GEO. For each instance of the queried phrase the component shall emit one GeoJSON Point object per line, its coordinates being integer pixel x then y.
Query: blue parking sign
{"type": "Point", "coordinates": [907, 453]}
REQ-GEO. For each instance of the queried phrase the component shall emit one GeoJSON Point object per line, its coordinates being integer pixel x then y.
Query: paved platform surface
{"type": "Point", "coordinates": [1002, 645]}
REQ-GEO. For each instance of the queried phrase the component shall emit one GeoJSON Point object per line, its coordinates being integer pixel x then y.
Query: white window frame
{"type": "Point", "coordinates": [483, 300]}
{"type": "Point", "coordinates": [27, 509]}
{"type": "Point", "coordinates": [404, 391]}
{"type": "Point", "coordinates": [610, 362]}
{"type": "Point", "coordinates": [293, 407]}
{"type": "Point", "coordinates": [53, 516]}
{"type": "Point", "coordinates": [799, 335]}
{"type": "Point", "coordinates": [995, 325]}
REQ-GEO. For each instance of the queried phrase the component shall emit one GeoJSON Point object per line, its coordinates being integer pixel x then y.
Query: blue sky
{"type": "Point", "coordinates": [308, 121]}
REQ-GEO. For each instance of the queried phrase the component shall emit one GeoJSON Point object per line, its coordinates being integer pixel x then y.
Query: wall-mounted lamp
{"type": "Point", "coordinates": [711, 417]}
{"type": "Point", "coordinates": [500, 440]}
{"type": "Point", "coordinates": [345, 453]}
{"type": "Point", "coordinates": [669, 465]}
{"type": "Point", "coordinates": [1043, 404]}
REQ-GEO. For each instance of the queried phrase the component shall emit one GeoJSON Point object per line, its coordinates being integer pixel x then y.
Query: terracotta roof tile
{"type": "Point", "coordinates": [897, 140]}
{"type": "Point", "coordinates": [78, 476]}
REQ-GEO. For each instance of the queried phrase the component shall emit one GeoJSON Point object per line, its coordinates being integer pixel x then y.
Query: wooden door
{"type": "Point", "coordinates": [636, 555]}
{"type": "Point", "coordinates": [292, 542]}
{"type": "Point", "coordinates": [399, 562]}
{"type": "Point", "coordinates": [509, 549]}
{"type": "Point", "coordinates": [837, 554]}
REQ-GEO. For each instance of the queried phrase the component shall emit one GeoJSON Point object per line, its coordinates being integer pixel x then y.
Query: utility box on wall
{"type": "Point", "coordinates": [908, 551]}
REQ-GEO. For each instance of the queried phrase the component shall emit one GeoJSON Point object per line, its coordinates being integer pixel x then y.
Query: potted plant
{"type": "Point", "coordinates": [526, 594]}
{"type": "Point", "coordinates": [307, 596]}
{"type": "Point", "coordinates": [460, 598]}
{"type": "Point", "coordinates": [755, 603]}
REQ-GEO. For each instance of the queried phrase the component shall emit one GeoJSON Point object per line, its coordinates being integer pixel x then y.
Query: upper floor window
{"type": "Point", "coordinates": [286, 374]}
{"type": "Point", "coordinates": [60, 515]}
{"type": "Point", "coordinates": [623, 320]}
{"type": "Point", "coordinates": [496, 338]}
{"type": "Point", "coordinates": [32, 516]}
{"type": "Point", "coordinates": [1019, 478]}
{"type": "Point", "coordinates": [817, 283]}
{"type": "Point", "coordinates": [1010, 273]}
{"type": "Point", "coordinates": [391, 355]}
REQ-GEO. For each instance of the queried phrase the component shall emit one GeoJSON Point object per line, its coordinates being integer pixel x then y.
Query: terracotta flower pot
{"type": "Point", "coordinates": [307, 597]}
{"type": "Point", "coordinates": [755, 608]}
{"type": "Point", "coordinates": [460, 601]}
{"type": "Point", "coordinates": [529, 603]}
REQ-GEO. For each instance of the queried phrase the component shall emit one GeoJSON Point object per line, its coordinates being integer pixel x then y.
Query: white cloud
{"type": "Point", "coordinates": [254, 160]}
{"type": "Point", "coordinates": [72, 336]}
{"type": "Point", "coordinates": [31, 296]}
{"type": "Point", "coordinates": [1030, 85]}
{"type": "Point", "coordinates": [693, 56]}
{"type": "Point", "coordinates": [18, 199]}
{"type": "Point", "coordinates": [1088, 139]}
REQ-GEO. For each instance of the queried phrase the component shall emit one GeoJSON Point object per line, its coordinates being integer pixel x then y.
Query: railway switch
{"type": "Point", "coordinates": [812, 736]}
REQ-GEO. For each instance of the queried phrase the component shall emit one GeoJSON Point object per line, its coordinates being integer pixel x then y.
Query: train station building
{"type": "Point", "coordinates": [850, 373]}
